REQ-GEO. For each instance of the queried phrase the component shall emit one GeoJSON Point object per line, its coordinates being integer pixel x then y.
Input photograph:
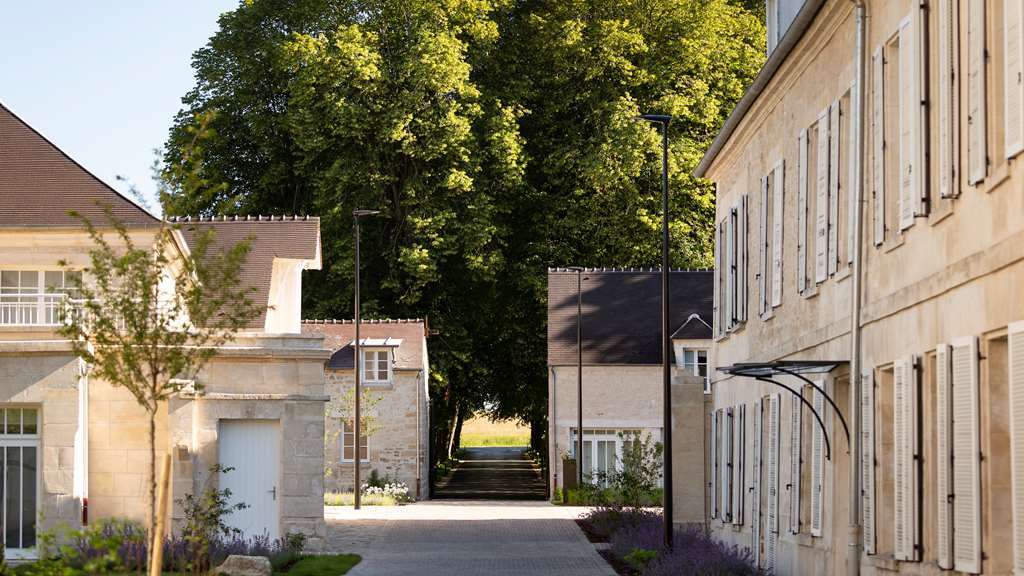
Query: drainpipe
{"type": "Point", "coordinates": [80, 479]}
{"type": "Point", "coordinates": [419, 459]}
{"type": "Point", "coordinates": [854, 534]}
{"type": "Point", "coordinates": [555, 459]}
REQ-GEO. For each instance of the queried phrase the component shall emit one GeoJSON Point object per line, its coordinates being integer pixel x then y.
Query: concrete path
{"type": "Point", "coordinates": [465, 538]}
{"type": "Point", "coordinates": [493, 474]}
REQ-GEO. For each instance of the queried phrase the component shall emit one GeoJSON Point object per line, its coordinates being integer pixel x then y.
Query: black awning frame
{"type": "Point", "coordinates": [763, 371]}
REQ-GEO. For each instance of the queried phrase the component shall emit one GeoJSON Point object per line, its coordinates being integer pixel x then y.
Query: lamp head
{"type": "Point", "coordinates": [359, 213]}
{"type": "Point", "coordinates": [655, 118]}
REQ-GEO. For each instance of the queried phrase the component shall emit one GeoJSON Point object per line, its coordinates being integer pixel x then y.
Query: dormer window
{"type": "Point", "coordinates": [376, 365]}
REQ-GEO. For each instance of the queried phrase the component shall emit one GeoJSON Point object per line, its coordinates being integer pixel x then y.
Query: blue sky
{"type": "Point", "coordinates": [103, 79]}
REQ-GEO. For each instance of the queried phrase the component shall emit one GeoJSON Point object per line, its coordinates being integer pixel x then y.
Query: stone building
{"type": "Point", "coordinates": [396, 402]}
{"type": "Point", "coordinates": [620, 318]}
{"type": "Point", "coordinates": [870, 242]}
{"type": "Point", "coordinates": [76, 447]}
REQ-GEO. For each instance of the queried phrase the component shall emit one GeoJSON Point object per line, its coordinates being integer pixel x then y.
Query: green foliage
{"type": "Point", "coordinates": [322, 565]}
{"type": "Point", "coordinates": [348, 499]}
{"type": "Point", "coordinates": [639, 558]}
{"type": "Point", "coordinates": [94, 549]}
{"type": "Point", "coordinates": [497, 139]}
{"type": "Point", "coordinates": [640, 471]}
{"type": "Point", "coordinates": [205, 522]}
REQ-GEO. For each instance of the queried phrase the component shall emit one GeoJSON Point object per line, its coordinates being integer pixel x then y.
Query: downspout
{"type": "Point", "coordinates": [854, 533]}
{"type": "Point", "coordinates": [554, 459]}
{"type": "Point", "coordinates": [419, 456]}
{"type": "Point", "coordinates": [80, 480]}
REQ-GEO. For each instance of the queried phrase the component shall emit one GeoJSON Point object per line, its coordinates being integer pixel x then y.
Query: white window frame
{"type": "Point", "coordinates": [35, 305]}
{"type": "Point", "coordinates": [371, 364]}
{"type": "Point", "coordinates": [22, 440]}
{"type": "Point", "coordinates": [692, 363]}
{"type": "Point", "coordinates": [595, 435]}
{"type": "Point", "coordinates": [346, 444]}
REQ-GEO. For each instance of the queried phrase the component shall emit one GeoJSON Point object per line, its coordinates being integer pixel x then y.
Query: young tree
{"type": "Point", "coordinates": [151, 314]}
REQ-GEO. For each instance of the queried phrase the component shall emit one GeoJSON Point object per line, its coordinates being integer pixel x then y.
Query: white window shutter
{"type": "Point", "coordinates": [730, 269]}
{"type": "Point", "coordinates": [794, 465]}
{"type": "Point", "coordinates": [905, 454]}
{"type": "Point", "coordinates": [739, 440]}
{"type": "Point", "coordinates": [772, 536]}
{"type": "Point", "coordinates": [821, 202]}
{"type": "Point", "coordinates": [778, 199]}
{"type": "Point", "coordinates": [977, 146]}
{"type": "Point", "coordinates": [717, 282]}
{"type": "Point", "coordinates": [801, 214]}
{"type": "Point", "coordinates": [878, 143]}
{"type": "Point", "coordinates": [944, 459]}
{"type": "Point", "coordinates": [966, 457]}
{"type": "Point", "coordinates": [868, 460]}
{"type": "Point", "coordinates": [909, 101]}
{"type": "Point", "coordinates": [755, 493]}
{"type": "Point", "coordinates": [723, 278]}
{"type": "Point", "coordinates": [949, 99]}
{"type": "Point", "coordinates": [714, 451]}
{"type": "Point", "coordinates": [851, 180]}
{"type": "Point", "coordinates": [726, 481]}
{"type": "Point", "coordinates": [921, 112]}
{"type": "Point", "coordinates": [833, 186]}
{"type": "Point", "coordinates": [742, 260]}
{"type": "Point", "coordinates": [818, 464]}
{"type": "Point", "coordinates": [762, 244]}
{"type": "Point", "coordinates": [1013, 80]}
{"type": "Point", "coordinates": [1016, 373]}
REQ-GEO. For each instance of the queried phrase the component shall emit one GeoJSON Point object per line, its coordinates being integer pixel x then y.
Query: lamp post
{"type": "Point", "coordinates": [358, 364]}
{"type": "Point", "coordinates": [663, 121]}
{"type": "Point", "coordinates": [579, 374]}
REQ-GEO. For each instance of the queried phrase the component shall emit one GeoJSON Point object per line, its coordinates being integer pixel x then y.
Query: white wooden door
{"type": "Point", "coordinates": [253, 449]}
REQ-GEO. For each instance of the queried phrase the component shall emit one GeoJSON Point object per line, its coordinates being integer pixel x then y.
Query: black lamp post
{"type": "Point", "coordinates": [579, 374]}
{"type": "Point", "coordinates": [356, 457]}
{"type": "Point", "coordinates": [663, 121]}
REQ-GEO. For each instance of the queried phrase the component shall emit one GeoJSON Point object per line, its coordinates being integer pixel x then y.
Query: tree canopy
{"type": "Point", "coordinates": [496, 136]}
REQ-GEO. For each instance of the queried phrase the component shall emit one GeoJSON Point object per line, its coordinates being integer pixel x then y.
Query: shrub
{"type": "Point", "coordinates": [606, 520]}
{"type": "Point", "coordinates": [639, 558]}
{"type": "Point", "coordinates": [348, 499]}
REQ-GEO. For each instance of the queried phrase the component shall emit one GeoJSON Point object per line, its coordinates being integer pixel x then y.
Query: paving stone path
{"type": "Point", "coordinates": [494, 474]}
{"type": "Point", "coordinates": [466, 537]}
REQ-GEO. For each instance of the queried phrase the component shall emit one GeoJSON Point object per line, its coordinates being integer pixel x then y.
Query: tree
{"type": "Point", "coordinates": [496, 136]}
{"type": "Point", "coordinates": [151, 315]}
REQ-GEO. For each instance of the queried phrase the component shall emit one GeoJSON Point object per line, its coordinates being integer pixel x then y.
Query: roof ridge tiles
{"type": "Point", "coordinates": [625, 270]}
{"type": "Point", "coordinates": [244, 218]}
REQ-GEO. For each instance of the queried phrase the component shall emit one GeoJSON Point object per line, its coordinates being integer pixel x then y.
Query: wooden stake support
{"type": "Point", "coordinates": [156, 555]}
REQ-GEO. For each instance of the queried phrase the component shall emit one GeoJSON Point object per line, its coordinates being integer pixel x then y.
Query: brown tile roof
{"type": "Point", "coordinates": [339, 334]}
{"type": "Point", "coordinates": [622, 313]}
{"type": "Point", "coordinates": [40, 184]}
{"type": "Point", "coordinates": [290, 237]}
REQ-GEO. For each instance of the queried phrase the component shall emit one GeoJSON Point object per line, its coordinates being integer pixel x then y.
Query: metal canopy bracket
{"type": "Point", "coordinates": [763, 371]}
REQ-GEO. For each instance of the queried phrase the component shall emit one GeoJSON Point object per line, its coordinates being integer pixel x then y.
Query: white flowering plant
{"type": "Point", "coordinates": [397, 490]}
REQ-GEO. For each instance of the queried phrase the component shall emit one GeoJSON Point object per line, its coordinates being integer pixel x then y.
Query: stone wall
{"type": "Point", "coordinates": [398, 444]}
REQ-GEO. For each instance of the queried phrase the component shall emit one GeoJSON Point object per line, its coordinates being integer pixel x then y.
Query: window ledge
{"type": "Point", "coordinates": [389, 385]}
{"type": "Point", "coordinates": [810, 292]}
{"type": "Point", "coordinates": [992, 182]}
{"type": "Point", "coordinates": [767, 315]}
{"type": "Point", "coordinates": [804, 539]}
{"type": "Point", "coordinates": [883, 561]}
{"type": "Point", "coordinates": [842, 274]}
{"type": "Point", "coordinates": [942, 209]}
{"type": "Point", "coordinates": [894, 243]}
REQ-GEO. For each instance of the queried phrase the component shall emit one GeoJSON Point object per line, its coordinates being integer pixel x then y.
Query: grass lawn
{"type": "Point", "coordinates": [327, 565]}
{"type": "Point", "coordinates": [480, 431]}
{"type": "Point", "coordinates": [348, 499]}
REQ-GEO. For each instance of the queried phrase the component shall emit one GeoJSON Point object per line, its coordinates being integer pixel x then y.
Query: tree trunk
{"type": "Point", "coordinates": [453, 432]}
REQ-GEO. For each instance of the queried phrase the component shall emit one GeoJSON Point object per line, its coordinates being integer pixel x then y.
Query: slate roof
{"type": "Point", "coordinates": [291, 237]}
{"type": "Point", "coordinates": [622, 313]}
{"type": "Point", "coordinates": [339, 335]}
{"type": "Point", "coordinates": [40, 184]}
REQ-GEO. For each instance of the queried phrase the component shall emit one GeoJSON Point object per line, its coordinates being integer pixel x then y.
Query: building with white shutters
{"type": "Point", "coordinates": [870, 222]}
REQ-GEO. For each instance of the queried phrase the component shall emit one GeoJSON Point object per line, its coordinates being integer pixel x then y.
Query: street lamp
{"type": "Point", "coordinates": [663, 121]}
{"type": "Point", "coordinates": [356, 215]}
{"type": "Point", "coordinates": [579, 374]}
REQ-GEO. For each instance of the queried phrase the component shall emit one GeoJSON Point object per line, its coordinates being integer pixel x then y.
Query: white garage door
{"type": "Point", "coordinates": [253, 449]}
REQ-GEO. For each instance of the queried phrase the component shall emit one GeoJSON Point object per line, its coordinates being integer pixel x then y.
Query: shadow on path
{"type": "Point", "coordinates": [493, 474]}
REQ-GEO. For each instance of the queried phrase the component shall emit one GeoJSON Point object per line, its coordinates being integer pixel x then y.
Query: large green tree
{"type": "Point", "coordinates": [497, 137]}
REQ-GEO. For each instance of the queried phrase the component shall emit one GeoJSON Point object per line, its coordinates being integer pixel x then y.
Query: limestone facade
{"type": "Point", "coordinates": [941, 258]}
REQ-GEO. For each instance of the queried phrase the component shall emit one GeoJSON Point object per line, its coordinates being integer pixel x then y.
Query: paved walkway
{"type": "Point", "coordinates": [494, 474]}
{"type": "Point", "coordinates": [465, 538]}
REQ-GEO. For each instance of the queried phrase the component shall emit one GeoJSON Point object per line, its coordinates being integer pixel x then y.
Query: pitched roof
{"type": "Point", "coordinates": [339, 335]}
{"type": "Point", "coordinates": [289, 237]}
{"type": "Point", "coordinates": [40, 184]}
{"type": "Point", "coordinates": [621, 313]}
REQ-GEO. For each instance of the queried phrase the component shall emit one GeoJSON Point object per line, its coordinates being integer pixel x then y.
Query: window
{"type": "Point", "coordinates": [376, 366]}
{"type": "Point", "coordinates": [602, 451]}
{"type": "Point", "coordinates": [695, 361]}
{"type": "Point", "coordinates": [731, 260]}
{"type": "Point", "coordinates": [35, 297]}
{"type": "Point", "coordinates": [348, 443]}
{"type": "Point", "coordinates": [19, 449]}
